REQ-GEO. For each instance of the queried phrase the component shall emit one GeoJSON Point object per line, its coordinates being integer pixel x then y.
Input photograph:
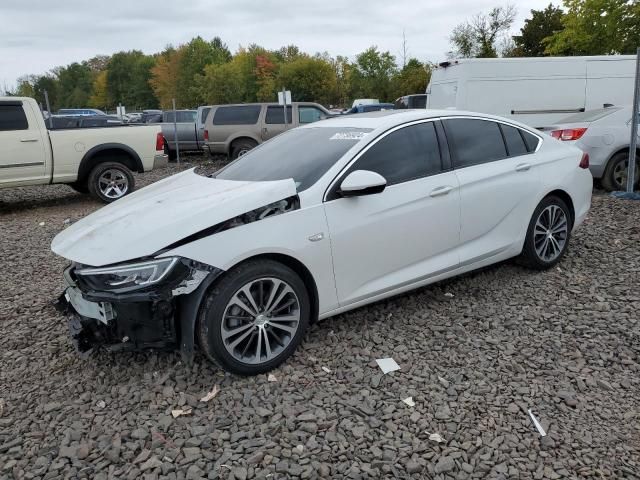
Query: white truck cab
{"type": "Point", "coordinates": [97, 160]}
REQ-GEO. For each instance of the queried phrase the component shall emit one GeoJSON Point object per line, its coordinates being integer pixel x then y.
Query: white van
{"type": "Point", "coordinates": [536, 91]}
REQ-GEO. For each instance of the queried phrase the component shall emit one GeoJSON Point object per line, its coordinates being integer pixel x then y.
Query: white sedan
{"type": "Point", "coordinates": [317, 221]}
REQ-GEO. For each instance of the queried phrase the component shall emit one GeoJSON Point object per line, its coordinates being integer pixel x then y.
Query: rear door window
{"type": "Point", "coordinates": [237, 115]}
{"type": "Point", "coordinates": [275, 115]}
{"type": "Point", "coordinates": [203, 115]}
{"type": "Point", "coordinates": [531, 140]}
{"type": "Point", "coordinates": [514, 140]}
{"type": "Point", "coordinates": [309, 114]}
{"type": "Point", "coordinates": [12, 117]}
{"type": "Point", "coordinates": [474, 141]}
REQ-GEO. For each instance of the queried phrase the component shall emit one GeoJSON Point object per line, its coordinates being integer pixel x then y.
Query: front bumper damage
{"type": "Point", "coordinates": [161, 317]}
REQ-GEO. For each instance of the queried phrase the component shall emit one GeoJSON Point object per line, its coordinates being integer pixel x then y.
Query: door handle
{"type": "Point", "coordinates": [28, 140]}
{"type": "Point", "coordinates": [436, 192]}
{"type": "Point", "coordinates": [523, 167]}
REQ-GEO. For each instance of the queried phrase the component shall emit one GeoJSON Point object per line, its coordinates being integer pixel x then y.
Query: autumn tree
{"type": "Point", "coordinates": [310, 79]}
{"type": "Point", "coordinates": [480, 37]}
{"type": "Point", "coordinates": [100, 98]}
{"type": "Point", "coordinates": [164, 76]}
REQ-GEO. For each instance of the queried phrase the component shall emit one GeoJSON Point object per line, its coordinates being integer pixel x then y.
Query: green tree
{"type": "Point", "coordinates": [99, 98]}
{"type": "Point", "coordinates": [128, 76]}
{"type": "Point", "coordinates": [480, 36]}
{"type": "Point", "coordinates": [597, 27]}
{"type": "Point", "coordinates": [164, 76]}
{"type": "Point", "coordinates": [75, 85]}
{"type": "Point", "coordinates": [310, 79]}
{"type": "Point", "coordinates": [371, 74]}
{"type": "Point", "coordinates": [194, 57]}
{"type": "Point", "coordinates": [413, 78]}
{"type": "Point", "coordinates": [542, 24]}
{"type": "Point", "coordinates": [25, 87]}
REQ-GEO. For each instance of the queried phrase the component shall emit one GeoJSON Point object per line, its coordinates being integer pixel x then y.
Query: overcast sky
{"type": "Point", "coordinates": [37, 35]}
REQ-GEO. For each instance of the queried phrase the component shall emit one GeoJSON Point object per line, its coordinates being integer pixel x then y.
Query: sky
{"type": "Point", "coordinates": [38, 35]}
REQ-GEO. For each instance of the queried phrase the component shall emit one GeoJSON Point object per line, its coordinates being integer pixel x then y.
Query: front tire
{"type": "Point", "coordinates": [615, 175]}
{"type": "Point", "coordinates": [241, 147]}
{"type": "Point", "coordinates": [548, 234]}
{"type": "Point", "coordinates": [254, 318]}
{"type": "Point", "coordinates": [110, 181]}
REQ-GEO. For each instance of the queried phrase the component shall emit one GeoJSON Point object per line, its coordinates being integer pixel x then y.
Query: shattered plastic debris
{"type": "Point", "coordinates": [41, 224]}
{"type": "Point", "coordinates": [449, 295]}
{"type": "Point", "coordinates": [536, 423]}
{"type": "Point", "coordinates": [409, 401]}
{"type": "Point", "coordinates": [436, 437]}
{"type": "Point", "coordinates": [211, 394]}
{"type": "Point", "coordinates": [177, 413]}
{"type": "Point", "coordinates": [327, 370]}
{"type": "Point", "coordinates": [387, 365]}
{"type": "Point", "coordinates": [271, 378]}
{"type": "Point", "coordinates": [101, 404]}
{"type": "Point", "coordinates": [67, 221]}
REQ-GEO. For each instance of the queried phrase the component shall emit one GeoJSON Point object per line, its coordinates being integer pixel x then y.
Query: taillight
{"type": "Point", "coordinates": [206, 135]}
{"type": "Point", "coordinates": [568, 134]}
{"type": "Point", "coordinates": [159, 142]}
{"type": "Point", "coordinates": [584, 161]}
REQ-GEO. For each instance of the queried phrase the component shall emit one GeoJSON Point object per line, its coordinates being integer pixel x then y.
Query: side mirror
{"type": "Point", "coordinates": [362, 182]}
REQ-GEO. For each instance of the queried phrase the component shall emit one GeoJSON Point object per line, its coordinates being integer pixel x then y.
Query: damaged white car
{"type": "Point", "coordinates": [317, 221]}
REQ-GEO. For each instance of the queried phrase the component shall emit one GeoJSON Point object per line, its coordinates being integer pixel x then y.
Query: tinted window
{"type": "Point", "coordinates": [304, 154]}
{"type": "Point", "coordinates": [238, 115]}
{"type": "Point", "coordinates": [12, 117]}
{"type": "Point", "coordinates": [401, 103]}
{"type": "Point", "coordinates": [203, 116]}
{"type": "Point", "coordinates": [409, 153]}
{"type": "Point", "coordinates": [275, 115]}
{"type": "Point", "coordinates": [474, 141]}
{"type": "Point", "coordinates": [419, 101]}
{"type": "Point", "coordinates": [181, 117]}
{"type": "Point", "coordinates": [514, 141]}
{"type": "Point", "coordinates": [309, 114]}
{"type": "Point", "coordinates": [531, 140]}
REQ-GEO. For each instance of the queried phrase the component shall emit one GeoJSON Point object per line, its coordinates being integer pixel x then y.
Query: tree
{"type": "Point", "coordinates": [371, 74]}
{"type": "Point", "coordinates": [413, 78]}
{"type": "Point", "coordinates": [597, 27]}
{"type": "Point", "coordinates": [310, 79]}
{"type": "Point", "coordinates": [164, 76]}
{"type": "Point", "coordinates": [128, 76]}
{"type": "Point", "coordinates": [480, 36]}
{"type": "Point", "coordinates": [231, 82]}
{"type": "Point", "coordinates": [542, 24]}
{"type": "Point", "coordinates": [100, 98]}
{"type": "Point", "coordinates": [75, 85]}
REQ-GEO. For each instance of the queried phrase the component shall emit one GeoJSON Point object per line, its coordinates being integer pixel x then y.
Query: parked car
{"type": "Point", "coordinates": [364, 101]}
{"type": "Point", "coordinates": [371, 107]}
{"type": "Point", "coordinates": [235, 129]}
{"type": "Point", "coordinates": [320, 220]}
{"type": "Point", "coordinates": [97, 160]}
{"type": "Point", "coordinates": [186, 128]}
{"type": "Point", "coordinates": [537, 91]}
{"type": "Point", "coordinates": [58, 122]}
{"type": "Point", "coordinates": [411, 101]}
{"type": "Point", "coordinates": [151, 116]}
{"type": "Point", "coordinates": [605, 134]}
{"type": "Point", "coordinates": [79, 112]}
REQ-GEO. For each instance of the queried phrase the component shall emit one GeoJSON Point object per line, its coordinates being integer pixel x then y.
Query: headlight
{"type": "Point", "coordinates": [127, 277]}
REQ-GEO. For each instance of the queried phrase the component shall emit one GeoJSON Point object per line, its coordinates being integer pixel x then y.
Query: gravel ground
{"type": "Point", "coordinates": [475, 353]}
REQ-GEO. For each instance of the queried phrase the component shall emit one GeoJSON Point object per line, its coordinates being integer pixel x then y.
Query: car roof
{"type": "Point", "coordinates": [390, 118]}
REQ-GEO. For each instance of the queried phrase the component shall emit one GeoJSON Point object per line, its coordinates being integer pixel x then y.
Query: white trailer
{"type": "Point", "coordinates": [536, 91]}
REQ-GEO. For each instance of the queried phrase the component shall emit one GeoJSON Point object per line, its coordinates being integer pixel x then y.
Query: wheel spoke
{"type": "Point", "coordinates": [259, 345]}
{"type": "Point", "coordinates": [237, 301]}
{"type": "Point", "coordinates": [247, 293]}
{"type": "Point", "coordinates": [234, 331]}
{"type": "Point", "coordinates": [285, 318]}
{"type": "Point", "coordinates": [267, 344]}
{"type": "Point", "coordinates": [274, 289]}
{"type": "Point", "coordinates": [237, 341]}
{"type": "Point", "coordinates": [286, 290]}
{"type": "Point", "coordinates": [286, 328]}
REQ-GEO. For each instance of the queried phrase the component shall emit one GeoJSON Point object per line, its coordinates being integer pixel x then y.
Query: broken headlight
{"type": "Point", "coordinates": [125, 278]}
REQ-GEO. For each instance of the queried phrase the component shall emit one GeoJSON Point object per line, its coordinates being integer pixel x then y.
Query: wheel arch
{"type": "Point", "coordinates": [239, 138]}
{"type": "Point", "coordinates": [115, 152]}
{"type": "Point", "coordinates": [617, 151]}
{"type": "Point", "coordinates": [566, 198]}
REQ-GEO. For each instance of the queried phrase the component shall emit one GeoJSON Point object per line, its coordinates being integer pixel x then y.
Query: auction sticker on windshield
{"type": "Point", "coordinates": [348, 136]}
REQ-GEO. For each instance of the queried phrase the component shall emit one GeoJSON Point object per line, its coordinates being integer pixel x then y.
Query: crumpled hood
{"type": "Point", "coordinates": [156, 216]}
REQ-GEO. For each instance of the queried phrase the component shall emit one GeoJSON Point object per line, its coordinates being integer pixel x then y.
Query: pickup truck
{"type": "Point", "coordinates": [98, 161]}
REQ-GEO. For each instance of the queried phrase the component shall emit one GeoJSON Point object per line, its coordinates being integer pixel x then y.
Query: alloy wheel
{"type": "Point", "coordinates": [113, 183]}
{"type": "Point", "coordinates": [620, 174]}
{"type": "Point", "coordinates": [260, 320]}
{"type": "Point", "coordinates": [550, 233]}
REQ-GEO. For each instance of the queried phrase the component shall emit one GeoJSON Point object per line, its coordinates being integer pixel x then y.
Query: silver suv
{"type": "Point", "coordinates": [236, 129]}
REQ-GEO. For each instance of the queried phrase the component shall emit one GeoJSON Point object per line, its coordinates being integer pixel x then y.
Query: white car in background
{"type": "Point", "coordinates": [315, 222]}
{"type": "Point", "coordinates": [605, 134]}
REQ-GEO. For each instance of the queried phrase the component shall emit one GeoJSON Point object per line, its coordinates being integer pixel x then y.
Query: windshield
{"type": "Point", "coordinates": [590, 115]}
{"type": "Point", "coordinates": [304, 154]}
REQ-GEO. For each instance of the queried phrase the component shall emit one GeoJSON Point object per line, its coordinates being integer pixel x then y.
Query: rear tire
{"type": "Point", "coordinates": [110, 181]}
{"type": "Point", "coordinates": [615, 175]}
{"type": "Point", "coordinates": [248, 343]}
{"type": "Point", "coordinates": [548, 234]}
{"type": "Point", "coordinates": [241, 147]}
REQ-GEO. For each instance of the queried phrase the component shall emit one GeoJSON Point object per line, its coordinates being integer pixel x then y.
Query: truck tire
{"type": "Point", "coordinates": [110, 181]}
{"type": "Point", "coordinates": [241, 147]}
{"type": "Point", "coordinates": [615, 175]}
